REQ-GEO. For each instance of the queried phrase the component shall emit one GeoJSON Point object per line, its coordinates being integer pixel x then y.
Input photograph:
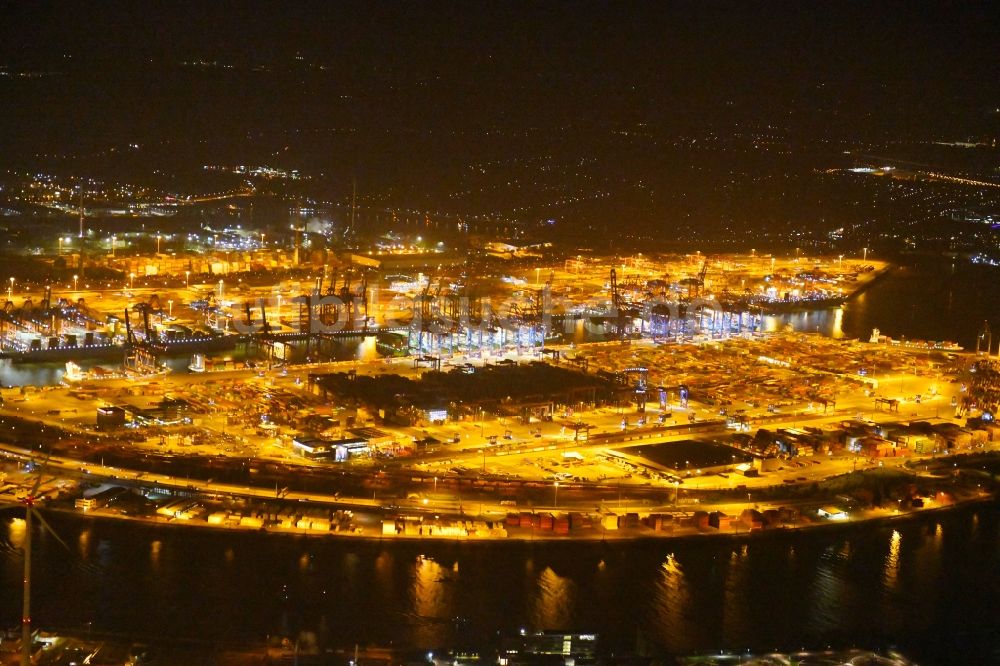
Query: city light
{"type": "Point", "coordinates": [347, 421]}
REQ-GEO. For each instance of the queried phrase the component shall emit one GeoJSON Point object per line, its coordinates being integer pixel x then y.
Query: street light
{"type": "Point", "coordinates": [158, 237]}
{"type": "Point", "coordinates": [131, 281]}
{"type": "Point", "coordinates": [187, 279]}
{"type": "Point", "coordinates": [76, 278]}
{"type": "Point", "coordinates": [865, 253]}
{"type": "Point", "coordinates": [220, 289]}
{"type": "Point", "coordinates": [555, 494]}
{"type": "Point", "coordinates": [10, 290]}
{"type": "Point", "coordinates": [113, 245]}
{"type": "Point", "coordinates": [170, 308]}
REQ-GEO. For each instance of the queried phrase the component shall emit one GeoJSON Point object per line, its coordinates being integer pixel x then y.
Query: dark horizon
{"type": "Point", "coordinates": [829, 71]}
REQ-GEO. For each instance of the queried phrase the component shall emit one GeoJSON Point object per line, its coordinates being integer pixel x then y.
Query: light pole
{"type": "Point", "coordinates": [170, 308]}
{"type": "Point", "coordinates": [158, 237]}
{"type": "Point", "coordinates": [220, 289]}
{"type": "Point", "coordinates": [187, 279]}
{"type": "Point", "coordinates": [131, 281]}
{"type": "Point", "coordinates": [555, 494]}
{"type": "Point", "coordinates": [60, 245]}
{"type": "Point", "coordinates": [10, 290]}
{"type": "Point", "coordinates": [113, 245]}
{"type": "Point", "coordinates": [864, 251]}
{"type": "Point", "coordinates": [76, 279]}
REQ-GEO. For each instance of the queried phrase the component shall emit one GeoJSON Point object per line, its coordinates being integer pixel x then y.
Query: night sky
{"type": "Point", "coordinates": [855, 66]}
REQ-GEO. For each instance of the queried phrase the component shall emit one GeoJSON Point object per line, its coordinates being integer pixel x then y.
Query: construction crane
{"type": "Point", "coordinates": [696, 284]}
{"type": "Point", "coordinates": [249, 316]}
{"type": "Point", "coordinates": [265, 327]}
{"type": "Point", "coordinates": [639, 387]}
{"type": "Point", "coordinates": [149, 333]}
{"type": "Point", "coordinates": [140, 356]}
{"type": "Point", "coordinates": [623, 311]}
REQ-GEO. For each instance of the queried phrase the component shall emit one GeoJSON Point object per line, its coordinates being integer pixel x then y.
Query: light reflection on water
{"type": "Point", "coordinates": [670, 597]}
{"type": "Point", "coordinates": [384, 578]}
{"type": "Point", "coordinates": [84, 544]}
{"type": "Point", "coordinates": [433, 601]}
{"type": "Point", "coordinates": [553, 602]}
{"type": "Point", "coordinates": [866, 587]}
{"type": "Point", "coordinates": [155, 549]}
{"type": "Point", "coordinates": [734, 609]}
{"type": "Point", "coordinates": [16, 529]}
{"type": "Point", "coordinates": [830, 588]}
{"type": "Point", "coordinates": [829, 322]}
{"type": "Point", "coordinates": [890, 573]}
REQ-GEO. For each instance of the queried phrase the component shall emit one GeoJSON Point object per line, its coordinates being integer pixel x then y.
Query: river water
{"type": "Point", "coordinates": [921, 298]}
{"type": "Point", "coordinates": [927, 586]}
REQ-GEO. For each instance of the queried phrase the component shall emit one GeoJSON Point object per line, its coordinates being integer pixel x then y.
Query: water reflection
{"type": "Point", "coordinates": [16, 531]}
{"type": "Point", "coordinates": [828, 322]}
{"type": "Point", "coordinates": [671, 597]}
{"type": "Point", "coordinates": [433, 601]}
{"type": "Point", "coordinates": [927, 559]}
{"type": "Point", "coordinates": [734, 608]}
{"type": "Point", "coordinates": [830, 588]}
{"type": "Point", "coordinates": [890, 572]}
{"type": "Point", "coordinates": [84, 543]}
{"type": "Point", "coordinates": [384, 579]}
{"type": "Point", "coordinates": [154, 555]}
{"type": "Point", "coordinates": [104, 552]}
{"type": "Point", "coordinates": [867, 586]}
{"type": "Point", "coordinates": [351, 562]}
{"type": "Point", "coordinates": [552, 606]}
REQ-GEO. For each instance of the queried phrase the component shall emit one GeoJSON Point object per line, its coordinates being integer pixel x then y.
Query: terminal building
{"type": "Point", "coordinates": [335, 450]}
{"type": "Point", "coordinates": [548, 647]}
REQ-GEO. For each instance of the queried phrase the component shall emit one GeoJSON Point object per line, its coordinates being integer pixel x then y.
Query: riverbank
{"type": "Point", "coordinates": [873, 518]}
